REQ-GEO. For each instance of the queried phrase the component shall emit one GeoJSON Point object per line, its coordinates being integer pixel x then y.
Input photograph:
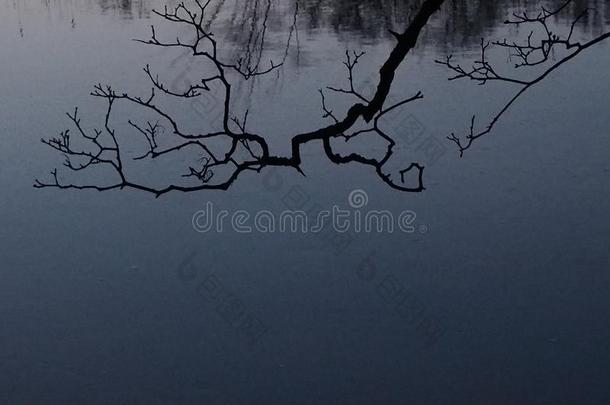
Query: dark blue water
{"type": "Point", "coordinates": [499, 296]}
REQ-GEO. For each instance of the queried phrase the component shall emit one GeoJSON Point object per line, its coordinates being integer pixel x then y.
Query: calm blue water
{"type": "Point", "coordinates": [115, 298]}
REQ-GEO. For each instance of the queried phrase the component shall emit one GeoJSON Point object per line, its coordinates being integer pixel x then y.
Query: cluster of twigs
{"type": "Point", "coordinates": [536, 50]}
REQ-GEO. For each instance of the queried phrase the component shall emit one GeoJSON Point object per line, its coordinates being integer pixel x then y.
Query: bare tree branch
{"type": "Point", "coordinates": [219, 169]}
{"type": "Point", "coordinates": [530, 53]}
{"type": "Point", "coordinates": [234, 130]}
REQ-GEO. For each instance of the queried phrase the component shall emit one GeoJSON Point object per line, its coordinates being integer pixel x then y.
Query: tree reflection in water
{"type": "Point", "coordinates": [460, 23]}
{"type": "Point", "coordinates": [243, 150]}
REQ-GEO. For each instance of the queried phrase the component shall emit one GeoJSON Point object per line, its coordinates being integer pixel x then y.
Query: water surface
{"type": "Point", "coordinates": [96, 298]}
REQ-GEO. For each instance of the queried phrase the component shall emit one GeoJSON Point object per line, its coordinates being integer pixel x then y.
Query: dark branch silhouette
{"type": "Point", "coordinates": [218, 170]}
{"type": "Point", "coordinates": [107, 150]}
{"type": "Point", "coordinates": [530, 53]}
